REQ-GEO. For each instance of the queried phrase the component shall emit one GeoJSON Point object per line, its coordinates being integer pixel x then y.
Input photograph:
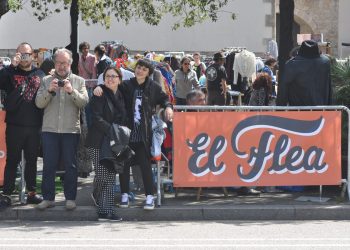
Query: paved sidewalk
{"type": "Point", "coordinates": [211, 206]}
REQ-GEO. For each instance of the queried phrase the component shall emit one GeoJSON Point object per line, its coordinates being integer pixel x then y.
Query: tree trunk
{"type": "Point", "coordinates": [4, 7]}
{"type": "Point", "coordinates": [74, 15]}
{"type": "Point", "coordinates": [286, 32]}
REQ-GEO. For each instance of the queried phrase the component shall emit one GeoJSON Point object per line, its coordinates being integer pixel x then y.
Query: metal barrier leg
{"type": "Point", "coordinates": [199, 192]}
{"type": "Point", "coordinates": [344, 187]}
{"type": "Point", "coordinates": [22, 191]}
{"type": "Point", "coordinates": [159, 195]}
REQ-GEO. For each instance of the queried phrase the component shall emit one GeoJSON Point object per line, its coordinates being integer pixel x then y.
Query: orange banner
{"type": "Point", "coordinates": [2, 146]}
{"type": "Point", "coordinates": [219, 149]}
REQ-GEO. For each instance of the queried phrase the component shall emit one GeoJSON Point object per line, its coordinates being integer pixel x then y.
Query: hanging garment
{"type": "Point", "coordinates": [158, 137]}
{"type": "Point", "coordinates": [272, 49]}
{"type": "Point", "coordinates": [245, 64]}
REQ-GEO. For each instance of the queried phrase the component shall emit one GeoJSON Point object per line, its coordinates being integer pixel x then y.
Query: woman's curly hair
{"type": "Point", "coordinates": [263, 80]}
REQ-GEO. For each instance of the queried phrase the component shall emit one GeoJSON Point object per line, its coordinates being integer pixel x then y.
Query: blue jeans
{"type": "Point", "coordinates": [55, 147]}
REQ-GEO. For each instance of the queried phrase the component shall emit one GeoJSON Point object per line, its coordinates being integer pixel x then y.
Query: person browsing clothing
{"type": "Point", "coordinates": [262, 90]}
{"type": "Point", "coordinates": [216, 81]}
{"type": "Point", "coordinates": [185, 80]}
{"type": "Point", "coordinates": [270, 65]}
{"type": "Point", "coordinates": [198, 66]}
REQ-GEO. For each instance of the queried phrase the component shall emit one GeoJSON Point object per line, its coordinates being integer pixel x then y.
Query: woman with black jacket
{"type": "Point", "coordinates": [103, 115]}
{"type": "Point", "coordinates": [142, 95]}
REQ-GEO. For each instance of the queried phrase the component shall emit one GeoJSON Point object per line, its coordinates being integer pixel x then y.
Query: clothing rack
{"type": "Point", "coordinates": [229, 50]}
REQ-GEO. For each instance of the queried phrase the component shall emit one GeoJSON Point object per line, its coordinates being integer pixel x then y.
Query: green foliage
{"type": "Point", "coordinates": [15, 4]}
{"type": "Point", "coordinates": [193, 11]}
{"type": "Point", "coordinates": [340, 72]}
{"type": "Point", "coordinates": [189, 12]}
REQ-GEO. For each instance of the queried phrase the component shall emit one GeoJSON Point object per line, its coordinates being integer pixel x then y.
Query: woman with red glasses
{"type": "Point", "coordinates": [185, 81]}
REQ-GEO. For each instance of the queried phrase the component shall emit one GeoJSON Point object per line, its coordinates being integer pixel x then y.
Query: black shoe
{"type": "Point", "coordinates": [34, 199]}
{"type": "Point", "coordinates": [5, 201]}
{"type": "Point", "coordinates": [115, 217]}
{"type": "Point", "coordinates": [112, 217]}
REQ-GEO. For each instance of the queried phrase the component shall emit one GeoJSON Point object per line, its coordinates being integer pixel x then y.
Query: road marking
{"type": "Point", "coordinates": [177, 245]}
{"type": "Point", "coordinates": [171, 239]}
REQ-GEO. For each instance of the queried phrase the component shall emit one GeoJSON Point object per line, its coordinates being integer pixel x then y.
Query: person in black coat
{"type": "Point", "coordinates": [103, 115]}
{"type": "Point", "coordinates": [142, 95]}
{"type": "Point", "coordinates": [306, 80]}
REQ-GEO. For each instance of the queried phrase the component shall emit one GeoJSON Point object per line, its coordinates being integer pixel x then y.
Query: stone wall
{"type": "Point", "coordinates": [322, 17]}
{"type": "Point", "coordinates": [318, 16]}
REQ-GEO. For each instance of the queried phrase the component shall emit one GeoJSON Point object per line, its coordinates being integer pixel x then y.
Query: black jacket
{"type": "Point", "coordinates": [305, 82]}
{"type": "Point", "coordinates": [103, 116]}
{"type": "Point", "coordinates": [11, 80]}
{"type": "Point", "coordinates": [153, 95]}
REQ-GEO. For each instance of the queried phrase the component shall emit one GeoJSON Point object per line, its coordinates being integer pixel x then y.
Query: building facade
{"type": "Point", "coordinates": [250, 30]}
{"type": "Point", "coordinates": [255, 25]}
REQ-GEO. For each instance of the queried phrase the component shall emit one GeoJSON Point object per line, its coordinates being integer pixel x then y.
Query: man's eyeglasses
{"type": "Point", "coordinates": [111, 76]}
{"type": "Point", "coordinates": [186, 63]}
{"type": "Point", "coordinates": [62, 63]}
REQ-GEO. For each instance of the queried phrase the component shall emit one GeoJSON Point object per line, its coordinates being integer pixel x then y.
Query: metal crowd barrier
{"type": "Point", "coordinates": [281, 108]}
{"type": "Point", "coordinates": [91, 83]}
{"type": "Point", "coordinates": [22, 183]}
{"type": "Point", "coordinates": [230, 108]}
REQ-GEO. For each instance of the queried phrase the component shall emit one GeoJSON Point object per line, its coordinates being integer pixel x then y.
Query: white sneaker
{"type": "Point", "coordinates": [124, 203]}
{"type": "Point", "coordinates": [45, 204]}
{"type": "Point", "coordinates": [149, 203]}
{"type": "Point", "coordinates": [70, 205]}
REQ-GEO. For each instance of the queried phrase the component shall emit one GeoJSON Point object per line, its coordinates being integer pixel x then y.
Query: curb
{"type": "Point", "coordinates": [181, 213]}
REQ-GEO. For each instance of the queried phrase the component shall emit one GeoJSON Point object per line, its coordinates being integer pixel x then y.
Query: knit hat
{"type": "Point", "coordinates": [309, 49]}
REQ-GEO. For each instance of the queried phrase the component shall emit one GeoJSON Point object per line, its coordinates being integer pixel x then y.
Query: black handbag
{"type": "Point", "coordinates": [115, 151]}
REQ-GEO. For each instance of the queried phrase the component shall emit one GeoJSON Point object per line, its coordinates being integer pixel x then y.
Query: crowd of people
{"type": "Point", "coordinates": [44, 110]}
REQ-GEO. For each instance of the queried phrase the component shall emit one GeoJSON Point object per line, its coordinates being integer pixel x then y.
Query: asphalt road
{"type": "Point", "coordinates": [176, 235]}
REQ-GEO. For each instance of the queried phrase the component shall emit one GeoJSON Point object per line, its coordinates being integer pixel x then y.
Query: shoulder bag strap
{"type": "Point", "coordinates": [110, 104]}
